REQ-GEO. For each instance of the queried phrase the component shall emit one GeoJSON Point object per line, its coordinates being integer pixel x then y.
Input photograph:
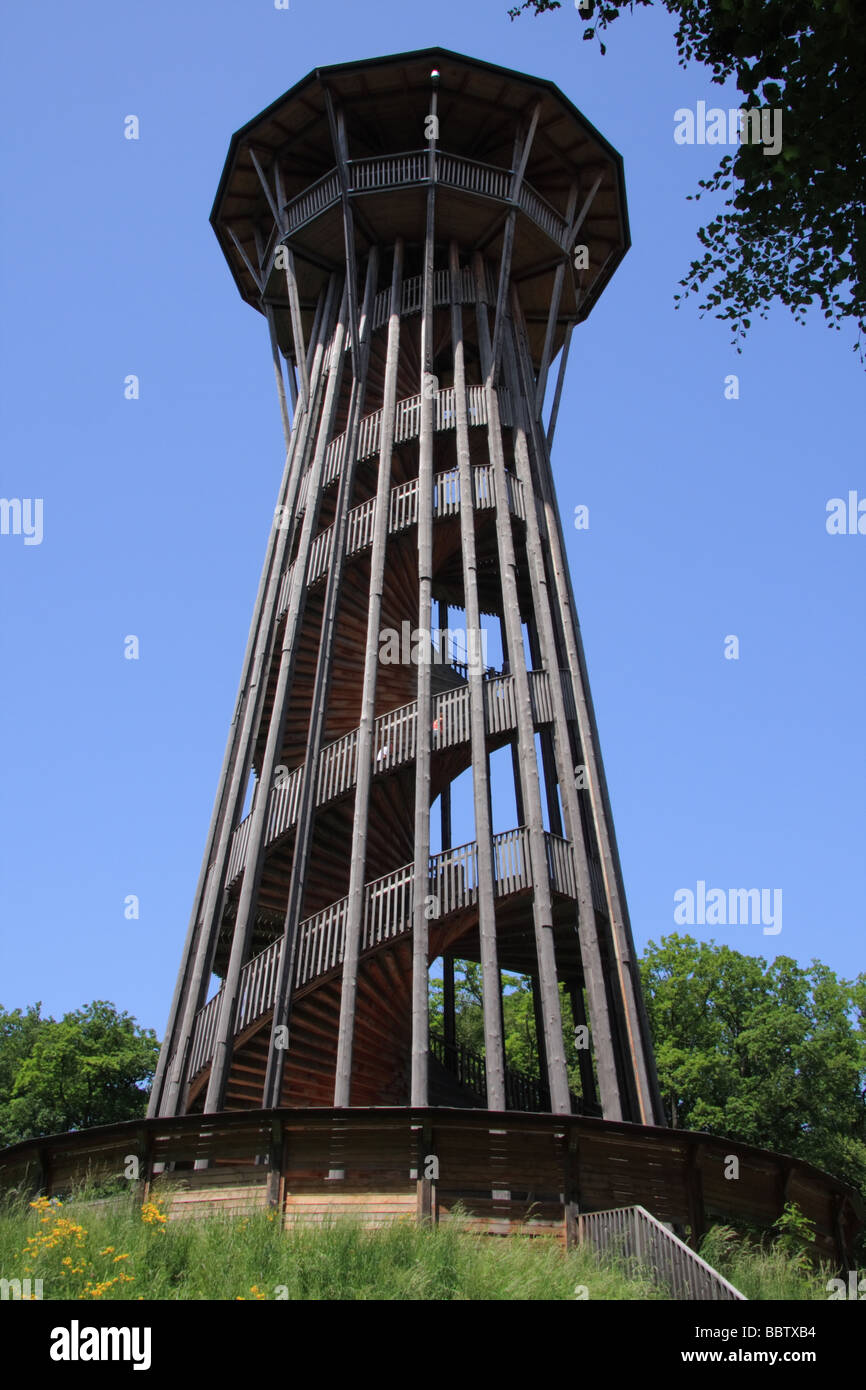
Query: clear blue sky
{"type": "Point", "coordinates": [707, 516]}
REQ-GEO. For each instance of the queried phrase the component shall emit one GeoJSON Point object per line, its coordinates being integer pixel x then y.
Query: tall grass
{"type": "Point", "coordinates": [114, 1249]}
{"type": "Point", "coordinates": [762, 1270]}
{"type": "Point", "coordinates": [117, 1250]}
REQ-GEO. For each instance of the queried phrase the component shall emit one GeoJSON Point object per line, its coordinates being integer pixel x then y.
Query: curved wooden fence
{"type": "Point", "coordinates": [508, 1171]}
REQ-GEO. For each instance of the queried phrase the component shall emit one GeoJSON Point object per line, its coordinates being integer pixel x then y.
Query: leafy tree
{"type": "Point", "coordinates": [93, 1067]}
{"type": "Point", "coordinates": [794, 225]}
{"type": "Point", "coordinates": [774, 1055]}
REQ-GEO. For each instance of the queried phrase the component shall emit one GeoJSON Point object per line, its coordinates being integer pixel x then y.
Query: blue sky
{"type": "Point", "coordinates": [707, 515]}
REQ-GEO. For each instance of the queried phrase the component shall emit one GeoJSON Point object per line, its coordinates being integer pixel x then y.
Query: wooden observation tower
{"type": "Point", "coordinates": [421, 233]}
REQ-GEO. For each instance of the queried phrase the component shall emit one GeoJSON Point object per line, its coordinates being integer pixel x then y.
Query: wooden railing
{"type": "Point", "coordinates": [471, 174]}
{"type": "Point", "coordinates": [388, 907]}
{"type": "Point", "coordinates": [203, 1035]}
{"type": "Point", "coordinates": [522, 1091]}
{"type": "Point", "coordinates": [407, 424]}
{"type": "Point", "coordinates": [467, 1067]}
{"type": "Point", "coordinates": [380, 172]}
{"type": "Point", "coordinates": [403, 512]}
{"type": "Point", "coordinates": [394, 745]}
{"type": "Point", "coordinates": [387, 171]}
{"type": "Point", "coordinates": [634, 1235]}
{"type": "Point", "coordinates": [412, 293]}
{"type": "Point", "coordinates": [320, 195]}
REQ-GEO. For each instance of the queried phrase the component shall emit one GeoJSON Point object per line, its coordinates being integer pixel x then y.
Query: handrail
{"type": "Point", "coordinates": [394, 737]}
{"type": "Point", "coordinates": [379, 172]}
{"type": "Point", "coordinates": [407, 423]}
{"type": "Point", "coordinates": [522, 1091]}
{"type": "Point", "coordinates": [403, 512]}
{"type": "Point", "coordinates": [634, 1234]}
{"type": "Point", "coordinates": [387, 913]}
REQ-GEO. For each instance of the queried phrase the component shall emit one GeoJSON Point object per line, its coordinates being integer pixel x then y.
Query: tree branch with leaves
{"type": "Point", "coordinates": [793, 224]}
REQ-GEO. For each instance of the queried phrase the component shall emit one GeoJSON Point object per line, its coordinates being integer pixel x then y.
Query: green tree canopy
{"type": "Point", "coordinates": [774, 1055]}
{"type": "Point", "coordinates": [92, 1067]}
{"type": "Point", "coordinates": [794, 224]}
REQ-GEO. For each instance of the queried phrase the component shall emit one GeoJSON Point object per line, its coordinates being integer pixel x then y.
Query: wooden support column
{"type": "Point", "coordinates": [542, 906]}
{"type": "Point", "coordinates": [553, 313]}
{"type": "Point", "coordinates": [560, 378]}
{"type": "Point", "coordinates": [642, 1080]}
{"type": "Point", "coordinates": [613, 1102]}
{"type": "Point", "coordinates": [275, 1165]}
{"type": "Point", "coordinates": [168, 1090]}
{"type": "Point", "coordinates": [568, 240]}
{"type": "Point", "coordinates": [361, 330]}
{"type": "Point", "coordinates": [258, 817]}
{"type": "Point", "coordinates": [445, 795]}
{"type": "Point", "coordinates": [512, 742]}
{"type": "Point", "coordinates": [508, 243]}
{"type": "Point", "coordinates": [494, 1036]}
{"type": "Point", "coordinates": [278, 374]}
{"type": "Point", "coordinates": [337, 124]}
{"type": "Point", "coordinates": [427, 1206]}
{"type": "Point", "coordinates": [297, 327]}
{"type": "Point", "coordinates": [293, 382]}
{"type": "Point", "coordinates": [545, 738]}
{"type": "Point", "coordinates": [423, 731]}
{"type": "Point", "coordinates": [584, 1054]}
{"type": "Point", "coordinates": [538, 1017]}
{"type": "Point", "coordinates": [449, 1022]}
{"type": "Point", "coordinates": [367, 725]}
{"type": "Point", "coordinates": [695, 1193]}
{"type": "Point", "coordinates": [571, 1193]}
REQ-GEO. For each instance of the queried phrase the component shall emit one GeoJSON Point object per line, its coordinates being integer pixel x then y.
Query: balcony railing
{"type": "Point", "coordinates": [380, 172]}
{"type": "Point", "coordinates": [394, 745]}
{"type": "Point", "coordinates": [387, 913]}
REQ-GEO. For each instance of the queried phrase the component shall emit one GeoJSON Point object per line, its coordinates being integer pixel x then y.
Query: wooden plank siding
{"type": "Point", "coordinates": [509, 1171]}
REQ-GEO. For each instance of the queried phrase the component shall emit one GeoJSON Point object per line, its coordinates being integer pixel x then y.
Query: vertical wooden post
{"type": "Point", "coordinates": [553, 312]}
{"type": "Point", "coordinates": [638, 1091]}
{"type": "Point", "coordinates": [494, 1044]}
{"type": "Point", "coordinates": [258, 816]}
{"type": "Point", "coordinates": [275, 1165]}
{"type": "Point", "coordinates": [168, 1088]}
{"type": "Point", "coordinates": [538, 1016]}
{"type": "Point", "coordinates": [560, 378]}
{"type": "Point", "coordinates": [508, 243]}
{"type": "Point", "coordinates": [445, 795]}
{"type": "Point", "coordinates": [571, 1193]}
{"type": "Point", "coordinates": [426, 1187]}
{"type": "Point", "coordinates": [584, 1054]}
{"type": "Point", "coordinates": [324, 666]}
{"type": "Point", "coordinates": [614, 1102]}
{"type": "Point", "coordinates": [449, 1022]}
{"type": "Point", "coordinates": [542, 906]}
{"type": "Point", "coordinates": [695, 1192]}
{"type": "Point", "coordinates": [545, 736]}
{"type": "Point", "coordinates": [421, 873]}
{"type": "Point", "coordinates": [366, 728]}
{"type": "Point", "coordinates": [297, 327]}
{"type": "Point", "coordinates": [278, 374]}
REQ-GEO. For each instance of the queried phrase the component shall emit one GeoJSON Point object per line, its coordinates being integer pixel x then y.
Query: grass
{"type": "Point", "coordinates": [116, 1250]}
{"type": "Point", "coordinates": [765, 1271]}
